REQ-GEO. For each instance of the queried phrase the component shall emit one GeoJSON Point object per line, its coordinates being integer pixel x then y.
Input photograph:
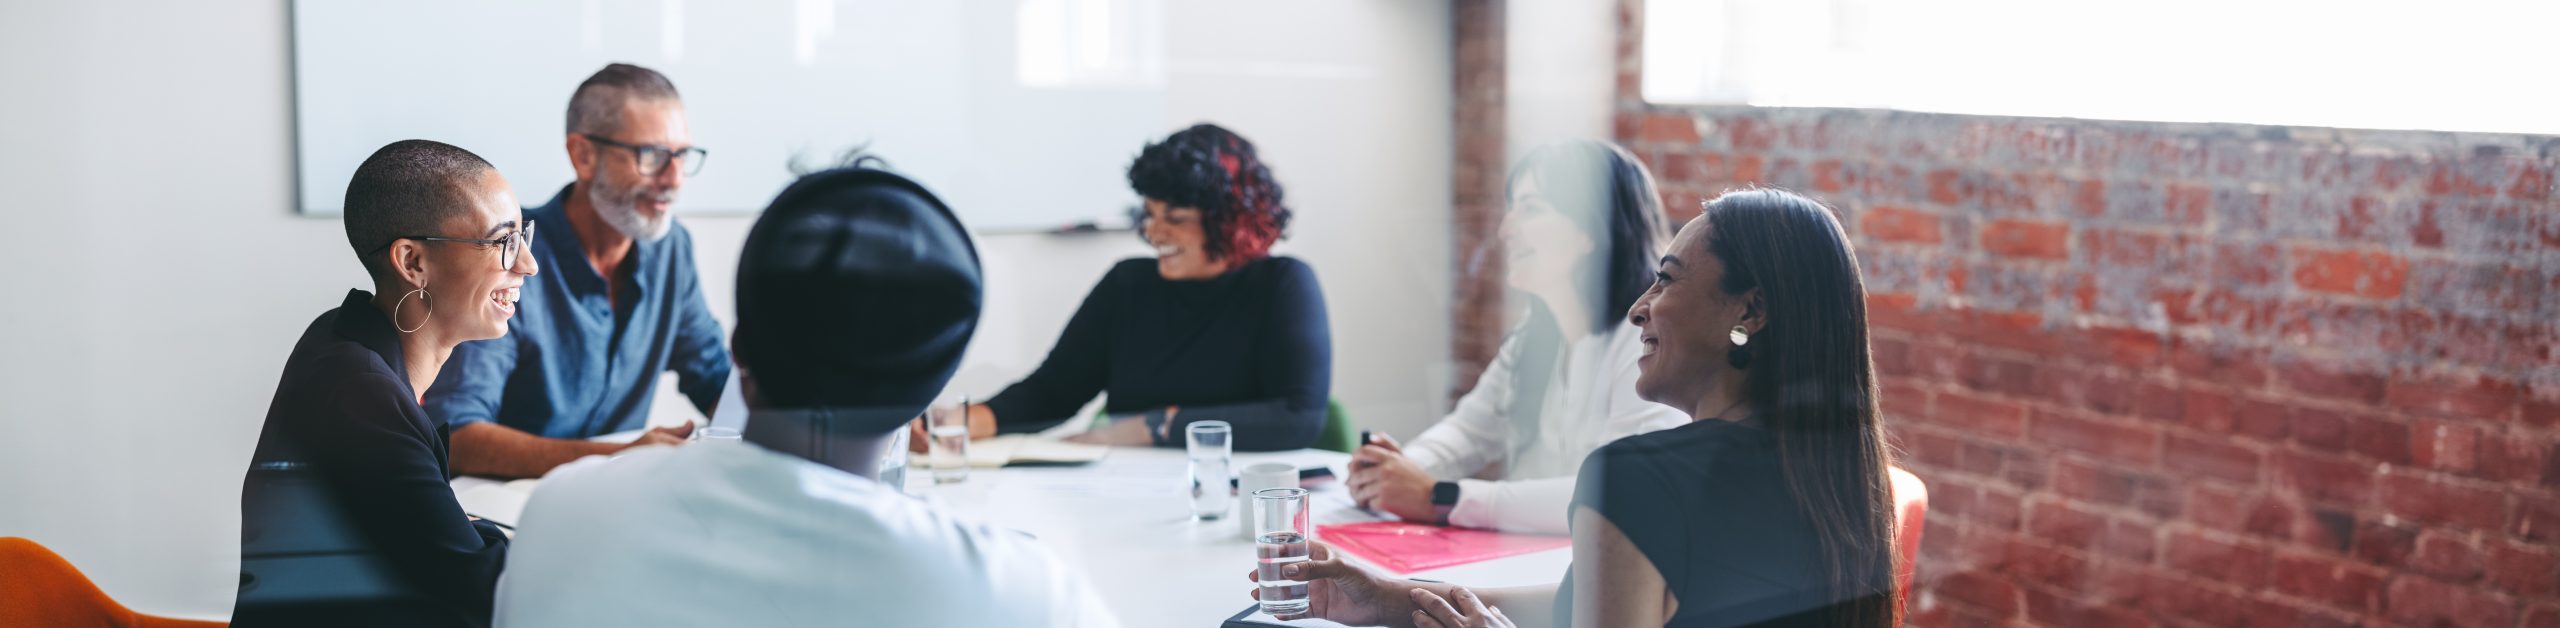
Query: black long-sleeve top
{"type": "Point", "coordinates": [344, 410]}
{"type": "Point", "coordinates": [1250, 347]}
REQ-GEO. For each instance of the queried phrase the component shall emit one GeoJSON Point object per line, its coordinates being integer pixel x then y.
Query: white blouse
{"type": "Point", "coordinates": [1591, 402]}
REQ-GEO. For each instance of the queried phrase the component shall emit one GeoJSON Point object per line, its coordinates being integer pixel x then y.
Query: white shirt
{"type": "Point", "coordinates": [1593, 403]}
{"type": "Point", "coordinates": [725, 533]}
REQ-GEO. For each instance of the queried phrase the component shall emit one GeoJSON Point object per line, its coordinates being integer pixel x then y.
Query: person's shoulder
{"type": "Point", "coordinates": [1285, 266]}
{"type": "Point", "coordinates": [1131, 268]}
{"type": "Point", "coordinates": [1698, 444]}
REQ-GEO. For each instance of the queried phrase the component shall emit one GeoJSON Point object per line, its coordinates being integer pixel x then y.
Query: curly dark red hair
{"type": "Point", "coordinates": [1211, 169]}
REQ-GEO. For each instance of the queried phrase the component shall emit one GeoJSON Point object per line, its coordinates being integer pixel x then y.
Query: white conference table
{"type": "Point", "coordinates": [1126, 522]}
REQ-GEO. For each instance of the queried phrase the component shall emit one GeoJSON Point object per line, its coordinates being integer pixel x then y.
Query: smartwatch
{"type": "Point", "coordinates": [1444, 498]}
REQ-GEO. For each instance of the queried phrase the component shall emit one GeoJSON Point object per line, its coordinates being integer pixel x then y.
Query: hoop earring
{"type": "Point", "coordinates": [423, 297]}
{"type": "Point", "coordinates": [1740, 356]}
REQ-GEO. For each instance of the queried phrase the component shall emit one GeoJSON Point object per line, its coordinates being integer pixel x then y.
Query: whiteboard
{"type": "Point", "coordinates": [1022, 114]}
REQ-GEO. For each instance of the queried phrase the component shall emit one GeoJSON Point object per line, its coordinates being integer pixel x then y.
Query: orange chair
{"type": "Point", "coordinates": [1910, 507]}
{"type": "Point", "coordinates": [45, 591]}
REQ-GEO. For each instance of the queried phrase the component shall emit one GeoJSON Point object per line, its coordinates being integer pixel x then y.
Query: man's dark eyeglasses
{"type": "Point", "coordinates": [652, 158]}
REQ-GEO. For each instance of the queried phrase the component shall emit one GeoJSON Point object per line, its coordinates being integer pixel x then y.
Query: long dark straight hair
{"type": "Point", "coordinates": [1811, 382]}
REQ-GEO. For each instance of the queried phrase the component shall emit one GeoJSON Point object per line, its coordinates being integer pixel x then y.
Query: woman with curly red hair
{"type": "Point", "coordinates": [1213, 327]}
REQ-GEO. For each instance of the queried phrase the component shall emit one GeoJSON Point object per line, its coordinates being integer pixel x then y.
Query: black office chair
{"type": "Point", "coordinates": [303, 564]}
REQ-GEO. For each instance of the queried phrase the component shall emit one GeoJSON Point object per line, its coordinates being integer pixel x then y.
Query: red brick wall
{"type": "Point", "coordinates": [2168, 374]}
{"type": "Point", "coordinates": [1477, 199]}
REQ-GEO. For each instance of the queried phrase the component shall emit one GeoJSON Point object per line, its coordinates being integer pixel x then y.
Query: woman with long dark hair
{"type": "Point", "coordinates": [1581, 229]}
{"type": "Point", "coordinates": [1771, 507]}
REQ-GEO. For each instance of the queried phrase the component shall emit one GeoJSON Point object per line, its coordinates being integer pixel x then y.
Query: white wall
{"type": "Point", "coordinates": [1559, 79]}
{"type": "Point", "coordinates": [157, 275]}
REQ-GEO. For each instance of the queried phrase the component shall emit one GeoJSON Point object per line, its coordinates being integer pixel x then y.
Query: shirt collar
{"type": "Point", "coordinates": [360, 322]}
{"type": "Point", "coordinates": [568, 250]}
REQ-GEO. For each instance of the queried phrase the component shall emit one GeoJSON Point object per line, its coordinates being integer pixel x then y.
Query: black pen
{"type": "Point", "coordinates": [1364, 442]}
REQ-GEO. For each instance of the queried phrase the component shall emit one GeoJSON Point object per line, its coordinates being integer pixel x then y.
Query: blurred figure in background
{"type": "Point", "coordinates": [445, 243]}
{"type": "Point", "coordinates": [620, 306]}
{"type": "Point", "coordinates": [1211, 328]}
{"type": "Point", "coordinates": [1583, 227]}
{"type": "Point", "coordinates": [857, 293]}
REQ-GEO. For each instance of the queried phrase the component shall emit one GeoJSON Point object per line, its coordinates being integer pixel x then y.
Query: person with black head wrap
{"type": "Point", "coordinates": [858, 291]}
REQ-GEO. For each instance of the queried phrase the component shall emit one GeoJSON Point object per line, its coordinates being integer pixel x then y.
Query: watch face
{"type": "Point", "coordinates": [1444, 493]}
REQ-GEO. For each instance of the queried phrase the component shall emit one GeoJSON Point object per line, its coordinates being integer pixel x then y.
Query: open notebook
{"type": "Point", "coordinates": [501, 502]}
{"type": "Point", "coordinates": [1023, 449]}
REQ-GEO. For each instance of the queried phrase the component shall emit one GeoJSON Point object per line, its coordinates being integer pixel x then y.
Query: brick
{"type": "Point", "coordinates": [2230, 366]}
{"type": "Point", "coordinates": [2527, 571]}
{"type": "Point", "coordinates": [2380, 439]}
{"type": "Point", "coordinates": [2262, 419]}
{"type": "Point", "coordinates": [2366, 274]}
{"type": "Point", "coordinates": [1992, 507]}
{"type": "Point", "coordinates": [2241, 512]}
{"type": "Point", "coordinates": [2443, 555]}
{"type": "Point", "coordinates": [2027, 239]}
{"type": "Point", "coordinates": [2206, 605]}
{"type": "Point", "coordinates": [2319, 429]}
{"type": "Point", "coordinates": [2422, 601]}
{"type": "Point", "coordinates": [2137, 445]}
{"type": "Point", "coordinates": [1979, 416]}
{"type": "Point", "coordinates": [2385, 544]}
{"type": "Point", "coordinates": [2337, 584]}
{"type": "Point", "coordinates": [2432, 500]}
{"type": "Point", "coordinates": [1668, 128]}
{"type": "Point", "coordinates": [2239, 563]}
{"type": "Point", "coordinates": [2332, 383]}
{"type": "Point", "coordinates": [1831, 177]}
{"type": "Point", "coordinates": [2074, 527]}
{"type": "Point", "coordinates": [2095, 484]}
{"type": "Point", "coordinates": [1981, 590]}
{"type": "Point", "coordinates": [2022, 331]}
{"type": "Point", "coordinates": [1930, 449]}
{"type": "Point", "coordinates": [2521, 459]}
{"type": "Point", "coordinates": [2082, 389]}
{"type": "Point", "coordinates": [2542, 616]}
{"type": "Point", "coordinates": [2214, 458]}
{"type": "Point", "coordinates": [2324, 479]}
{"type": "Point", "coordinates": [2030, 560]}
{"type": "Point", "coordinates": [1893, 223]}
{"type": "Point", "coordinates": [2445, 445]}
{"type": "Point", "coordinates": [2054, 610]}
{"type": "Point", "coordinates": [2537, 520]}
{"type": "Point", "coordinates": [1998, 375]}
{"type": "Point", "coordinates": [2246, 265]}
{"type": "Point", "coordinates": [2327, 528]}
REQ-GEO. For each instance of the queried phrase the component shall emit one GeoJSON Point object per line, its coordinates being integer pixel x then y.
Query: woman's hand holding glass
{"type": "Point", "coordinates": [1345, 593]}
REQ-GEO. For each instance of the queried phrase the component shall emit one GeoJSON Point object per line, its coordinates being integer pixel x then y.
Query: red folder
{"type": "Point", "coordinates": [1409, 547]}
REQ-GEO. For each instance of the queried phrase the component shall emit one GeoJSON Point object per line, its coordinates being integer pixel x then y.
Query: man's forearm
{"type": "Point", "coordinates": [497, 451]}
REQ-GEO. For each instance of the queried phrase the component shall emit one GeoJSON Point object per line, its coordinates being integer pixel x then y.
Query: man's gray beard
{"type": "Point", "coordinates": [625, 217]}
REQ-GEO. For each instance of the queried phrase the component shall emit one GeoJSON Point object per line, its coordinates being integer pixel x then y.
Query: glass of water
{"type": "Point", "coordinates": [893, 461]}
{"type": "Point", "coordinates": [706, 433]}
{"type": "Point", "coordinates": [947, 441]}
{"type": "Point", "coordinates": [1212, 454]}
{"type": "Point", "coordinates": [1280, 538]}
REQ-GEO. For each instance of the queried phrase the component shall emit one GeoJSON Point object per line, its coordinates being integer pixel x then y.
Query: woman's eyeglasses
{"type": "Point", "coordinates": [510, 246]}
{"type": "Point", "coordinates": [653, 158]}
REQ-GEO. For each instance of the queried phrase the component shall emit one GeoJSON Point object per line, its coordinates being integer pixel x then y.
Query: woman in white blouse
{"type": "Point", "coordinates": [1580, 239]}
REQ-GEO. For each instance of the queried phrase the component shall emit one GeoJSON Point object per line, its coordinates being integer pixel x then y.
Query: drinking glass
{"type": "Point", "coordinates": [947, 442]}
{"type": "Point", "coordinates": [714, 433]}
{"type": "Point", "coordinates": [1212, 494]}
{"type": "Point", "coordinates": [1280, 523]}
{"type": "Point", "coordinates": [893, 460]}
